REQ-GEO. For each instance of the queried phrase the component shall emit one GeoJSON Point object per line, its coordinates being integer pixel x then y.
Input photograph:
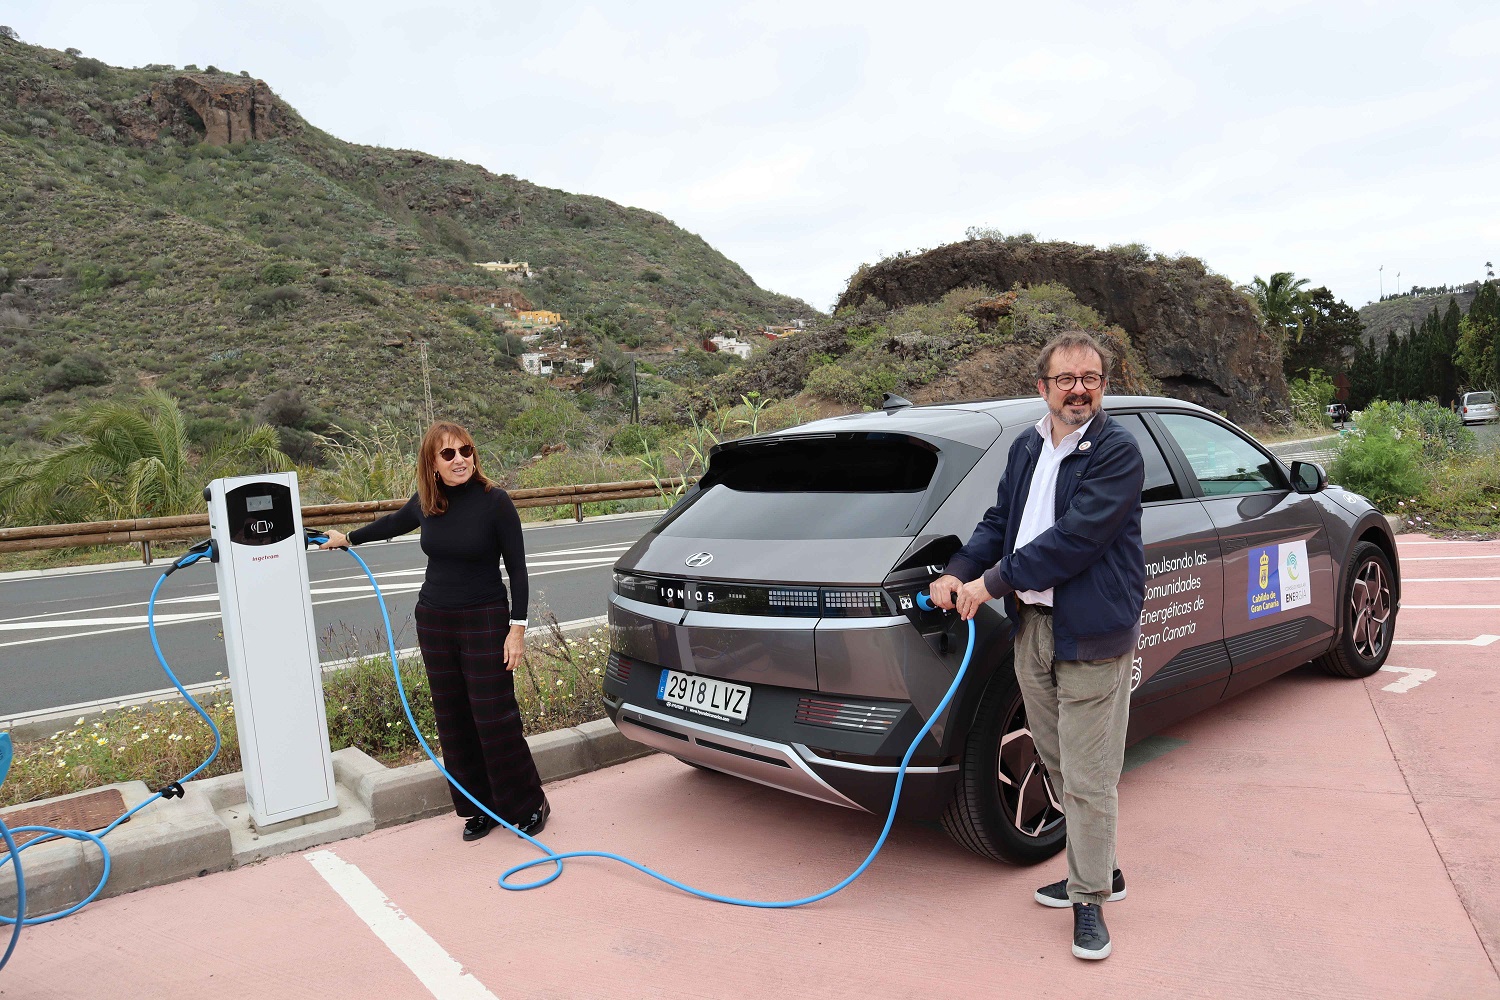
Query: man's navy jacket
{"type": "Point", "coordinates": [1092, 557]}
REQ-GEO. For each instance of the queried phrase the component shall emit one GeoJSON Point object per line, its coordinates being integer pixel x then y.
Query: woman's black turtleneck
{"type": "Point", "coordinates": [464, 547]}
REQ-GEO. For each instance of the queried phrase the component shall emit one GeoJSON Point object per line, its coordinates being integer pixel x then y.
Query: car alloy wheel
{"type": "Point", "coordinates": [1370, 610]}
{"type": "Point", "coordinates": [1004, 806]}
{"type": "Point", "coordinates": [1026, 793]}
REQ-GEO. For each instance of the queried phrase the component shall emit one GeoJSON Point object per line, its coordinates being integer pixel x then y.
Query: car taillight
{"type": "Point", "coordinates": [617, 668]}
{"type": "Point", "coordinates": [866, 717]}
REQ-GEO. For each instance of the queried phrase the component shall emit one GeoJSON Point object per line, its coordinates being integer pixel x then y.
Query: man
{"type": "Point", "coordinates": [1062, 545]}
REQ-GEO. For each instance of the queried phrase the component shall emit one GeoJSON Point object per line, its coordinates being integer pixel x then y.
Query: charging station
{"type": "Point", "coordinates": [270, 642]}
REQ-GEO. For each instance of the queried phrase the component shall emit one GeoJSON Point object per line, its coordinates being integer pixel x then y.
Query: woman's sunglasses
{"type": "Point", "coordinates": [446, 454]}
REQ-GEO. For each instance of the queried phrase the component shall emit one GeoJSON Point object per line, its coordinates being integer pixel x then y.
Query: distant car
{"type": "Point", "coordinates": [1478, 408]}
{"type": "Point", "coordinates": [1337, 412]}
{"type": "Point", "coordinates": [767, 625]}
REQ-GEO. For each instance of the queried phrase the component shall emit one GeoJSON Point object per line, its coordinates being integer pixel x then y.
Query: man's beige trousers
{"type": "Point", "coordinates": [1077, 711]}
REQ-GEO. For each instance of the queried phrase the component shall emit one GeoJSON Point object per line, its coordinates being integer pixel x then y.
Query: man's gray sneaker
{"type": "Point", "coordinates": [1056, 894]}
{"type": "Point", "coordinates": [1090, 936]}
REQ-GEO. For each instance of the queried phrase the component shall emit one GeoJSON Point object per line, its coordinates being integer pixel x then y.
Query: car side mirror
{"type": "Point", "coordinates": [1308, 477]}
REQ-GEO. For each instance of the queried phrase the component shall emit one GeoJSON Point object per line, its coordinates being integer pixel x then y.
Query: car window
{"type": "Point", "coordinates": [1223, 462]}
{"type": "Point", "coordinates": [1476, 398]}
{"type": "Point", "coordinates": [1159, 483]}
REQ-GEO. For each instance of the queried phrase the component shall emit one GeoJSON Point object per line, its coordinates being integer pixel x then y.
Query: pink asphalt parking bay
{"type": "Point", "coordinates": [1315, 837]}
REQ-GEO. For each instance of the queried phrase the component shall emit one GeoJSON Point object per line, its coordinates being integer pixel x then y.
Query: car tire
{"type": "Point", "coordinates": [1004, 807]}
{"type": "Point", "coordinates": [1368, 610]}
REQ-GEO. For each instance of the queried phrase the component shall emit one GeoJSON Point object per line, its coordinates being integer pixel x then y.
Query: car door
{"type": "Point", "coordinates": [1180, 664]}
{"type": "Point", "coordinates": [1278, 565]}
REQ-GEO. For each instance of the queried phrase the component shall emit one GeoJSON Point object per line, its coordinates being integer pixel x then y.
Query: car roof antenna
{"type": "Point", "coordinates": [890, 402]}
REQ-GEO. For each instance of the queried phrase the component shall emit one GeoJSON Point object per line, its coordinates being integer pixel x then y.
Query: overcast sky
{"type": "Point", "coordinates": [802, 138]}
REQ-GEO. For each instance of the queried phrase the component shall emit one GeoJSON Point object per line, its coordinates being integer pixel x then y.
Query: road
{"type": "Point", "coordinates": [75, 638]}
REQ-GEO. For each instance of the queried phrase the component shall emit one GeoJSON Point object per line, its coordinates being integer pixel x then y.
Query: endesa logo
{"type": "Point", "coordinates": [273, 555]}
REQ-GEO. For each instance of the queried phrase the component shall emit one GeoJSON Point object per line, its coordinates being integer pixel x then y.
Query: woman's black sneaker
{"type": "Point", "coordinates": [1090, 936]}
{"type": "Point", "coordinates": [1056, 894]}
{"type": "Point", "coordinates": [478, 826]}
{"type": "Point", "coordinates": [534, 823]}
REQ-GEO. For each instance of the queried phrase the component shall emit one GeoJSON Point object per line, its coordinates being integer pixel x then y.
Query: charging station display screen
{"type": "Point", "coordinates": [259, 513]}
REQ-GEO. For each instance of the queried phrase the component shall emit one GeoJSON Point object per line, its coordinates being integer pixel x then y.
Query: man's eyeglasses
{"type": "Point", "coordinates": [446, 454]}
{"type": "Point", "coordinates": [1067, 382]}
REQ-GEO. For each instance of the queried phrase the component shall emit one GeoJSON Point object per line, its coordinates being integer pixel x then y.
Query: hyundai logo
{"type": "Point", "coordinates": [699, 559]}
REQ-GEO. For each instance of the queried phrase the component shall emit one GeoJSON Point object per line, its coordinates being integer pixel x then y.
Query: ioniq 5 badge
{"type": "Point", "coordinates": [699, 559]}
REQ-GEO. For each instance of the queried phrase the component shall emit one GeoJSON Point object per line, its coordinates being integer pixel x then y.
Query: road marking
{"type": "Point", "coordinates": [1482, 640]}
{"type": "Point", "coordinates": [208, 687]}
{"type": "Point", "coordinates": [136, 622]}
{"type": "Point", "coordinates": [1407, 559]}
{"type": "Point", "coordinates": [1450, 579]}
{"type": "Point", "coordinates": [434, 967]}
{"type": "Point", "coordinates": [1451, 607]}
{"type": "Point", "coordinates": [1414, 676]}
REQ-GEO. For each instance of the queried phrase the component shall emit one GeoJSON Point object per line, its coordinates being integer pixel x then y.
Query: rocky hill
{"type": "Point", "coordinates": [190, 230]}
{"type": "Point", "coordinates": [1399, 314]}
{"type": "Point", "coordinates": [1196, 337]}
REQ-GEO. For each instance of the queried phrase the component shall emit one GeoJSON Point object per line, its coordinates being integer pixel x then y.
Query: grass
{"type": "Point", "coordinates": [227, 274]}
{"type": "Point", "coordinates": [558, 686]}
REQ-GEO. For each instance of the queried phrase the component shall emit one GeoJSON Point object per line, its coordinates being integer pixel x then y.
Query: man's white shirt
{"type": "Point", "coordinates": [1041, 499]}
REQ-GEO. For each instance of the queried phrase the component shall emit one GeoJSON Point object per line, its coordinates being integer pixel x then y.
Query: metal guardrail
{"type": "Point", "coordinates": [145, 530]}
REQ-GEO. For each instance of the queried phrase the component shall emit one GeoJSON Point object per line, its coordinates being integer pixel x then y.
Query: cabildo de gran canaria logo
{"type": "Point", "coordinates": [1275, 579]}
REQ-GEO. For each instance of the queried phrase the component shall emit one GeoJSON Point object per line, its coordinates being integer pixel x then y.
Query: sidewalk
{"type": "Point", "coordinates": [1315, 837]}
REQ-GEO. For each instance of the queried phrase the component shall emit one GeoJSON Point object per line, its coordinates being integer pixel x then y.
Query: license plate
{"type": "Point", "coordinates": [704, 695]}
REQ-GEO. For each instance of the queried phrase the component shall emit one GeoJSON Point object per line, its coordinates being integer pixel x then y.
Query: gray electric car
{"type": "Point", "coordinates": [767, 626]}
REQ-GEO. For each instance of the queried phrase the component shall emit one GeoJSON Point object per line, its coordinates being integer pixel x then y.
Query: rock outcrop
{"type": "Point", "coordinates": [1201, 339]}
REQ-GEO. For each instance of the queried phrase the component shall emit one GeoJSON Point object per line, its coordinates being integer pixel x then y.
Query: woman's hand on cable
{"type": "Point", "coordinates": [515, 647]}
{"type": "Point", "coordinates": [336, 540]}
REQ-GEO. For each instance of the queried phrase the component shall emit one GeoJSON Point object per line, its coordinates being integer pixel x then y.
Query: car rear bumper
{"type": "Point", "coordinates": [773, 748]}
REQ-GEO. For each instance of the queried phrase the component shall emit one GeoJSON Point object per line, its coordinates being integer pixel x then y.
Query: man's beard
{"type": "Point", "coordinates": [1062, 412]}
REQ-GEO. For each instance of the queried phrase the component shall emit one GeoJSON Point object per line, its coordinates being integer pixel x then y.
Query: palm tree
{"type": "Point", "coordinates": [1278, 300]}
{"type": "Point", "coordinates": [130, 459]}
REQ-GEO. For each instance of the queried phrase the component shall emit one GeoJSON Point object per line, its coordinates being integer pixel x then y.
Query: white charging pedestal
{"type": "Point", "coordinates": [271, 644]}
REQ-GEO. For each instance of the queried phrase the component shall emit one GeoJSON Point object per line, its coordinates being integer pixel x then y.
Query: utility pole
{"type": "Point", "coordinates": [426, 384]}
{"type": "Point", "coordinates": [1398, 282]}
{"type": "Point", "coordinates": [635, 396]}
{"type": "Point", "coordinates": [1382, 282]}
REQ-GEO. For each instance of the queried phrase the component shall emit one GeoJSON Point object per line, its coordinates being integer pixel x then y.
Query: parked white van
{"type": "Point", "coordinates": [1478, 408]}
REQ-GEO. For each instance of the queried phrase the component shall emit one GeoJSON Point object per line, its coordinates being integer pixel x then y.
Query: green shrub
{"type": "Point", "coordinates": [75, 371]}
{"type": "Point", "coordinates": [1440, 430]}
{"type": "Point", "coordinates": [1381, 464]}
{"type": "Point", "coordinates": [634, 439]}
{"type": "Point", "coordinates": [280, 272]}
{"type": "Point", "coordinates": [1310, 398]}
{"type": "Point", "coordinates": [273, 301]}
{"type": "Point", "coordinates": [836, 384]}
{"type": "Point", "coordinates": [1464, 495]}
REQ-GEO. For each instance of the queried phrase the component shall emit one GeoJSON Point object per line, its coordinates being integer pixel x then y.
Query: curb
{"type": "Point", "coordinates": [209, 829]}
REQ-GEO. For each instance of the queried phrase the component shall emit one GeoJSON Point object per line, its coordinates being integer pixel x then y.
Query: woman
{"type": "Point", "coordinates": [471, 642]}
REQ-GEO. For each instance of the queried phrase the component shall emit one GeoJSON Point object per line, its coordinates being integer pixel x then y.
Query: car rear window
{"type": "Point", "coordinates": [1476, 398]}
{"type": "Point", "coordinates": [838, 486]}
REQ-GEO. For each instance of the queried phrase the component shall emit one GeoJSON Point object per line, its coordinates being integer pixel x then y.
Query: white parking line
{"type": "Point", "coordinates": [1482, 640]}
{"type": "Point", "coordinates": [1450, 607]}
{"type": "Point", "coordinates": [1407, 559]}
{"type": "Point", "coordinates": [1414, 676]}
{"type": "Point", "coordinates": [1449, 579]}
{"type": "Point", "coordinates": [435, 968]}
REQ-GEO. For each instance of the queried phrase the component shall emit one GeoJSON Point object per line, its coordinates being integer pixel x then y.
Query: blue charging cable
{"type": "Point", "coordinates": [172, 790]}
{"type": "Point", "coordinates": [556, 858]}
{"type": "Point", "coordinates": [10, 846]}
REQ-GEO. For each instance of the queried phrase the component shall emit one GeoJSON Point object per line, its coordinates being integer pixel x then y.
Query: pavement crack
{"type": "Point", "coordinates": [1494, 967]}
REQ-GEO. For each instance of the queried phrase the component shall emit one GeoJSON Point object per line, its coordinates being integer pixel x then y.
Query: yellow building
{"type": "Point", "coordinates": [538, 317]}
